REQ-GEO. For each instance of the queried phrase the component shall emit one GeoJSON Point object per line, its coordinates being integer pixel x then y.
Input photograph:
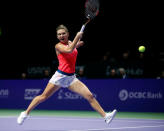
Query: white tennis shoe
{"type": "Point", "coordinates": [21, 118]}
{"type": "Point", "coordinates": [109, 116]}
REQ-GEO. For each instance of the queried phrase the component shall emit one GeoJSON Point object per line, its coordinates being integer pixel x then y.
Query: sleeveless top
{"type": "Point", "coordinates": [67, 61]}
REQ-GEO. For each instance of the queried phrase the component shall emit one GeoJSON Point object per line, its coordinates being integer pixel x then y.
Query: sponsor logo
{"type": "Point", "coordinates": [124, 95]}
{"type": "Point", "coordinates": [31, 93]}
{"type": "Point", "coordinates": [4, 93]}
{"type": "Point", "coordinates": [67, 95]}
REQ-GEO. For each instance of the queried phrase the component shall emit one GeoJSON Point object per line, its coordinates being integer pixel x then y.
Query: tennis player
{"type": "Point", "coordinates": [66, 51]}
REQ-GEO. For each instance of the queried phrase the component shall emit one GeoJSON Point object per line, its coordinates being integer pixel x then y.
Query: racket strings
{"type": "Point", "coordinates": [92, 8]}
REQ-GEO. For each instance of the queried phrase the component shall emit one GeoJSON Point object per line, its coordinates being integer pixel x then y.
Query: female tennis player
{"type": "Point", "coordinates": [66, 51]}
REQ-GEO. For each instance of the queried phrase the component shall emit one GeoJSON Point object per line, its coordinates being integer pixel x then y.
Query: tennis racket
{"type": "Point", "coordinates": [91, 11]}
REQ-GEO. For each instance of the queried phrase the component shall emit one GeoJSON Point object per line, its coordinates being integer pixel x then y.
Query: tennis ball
{"type": "Point", "coordinates": [141, 48]}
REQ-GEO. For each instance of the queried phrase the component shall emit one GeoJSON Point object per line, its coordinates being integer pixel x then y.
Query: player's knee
{"type": "Point", "coordinates": [42, 98]}
{"type": "Point", "coordinates": [90, 97]}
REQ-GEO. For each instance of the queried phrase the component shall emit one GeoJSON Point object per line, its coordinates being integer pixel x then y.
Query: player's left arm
{"type": "Point", "coordinates": [79, 44]}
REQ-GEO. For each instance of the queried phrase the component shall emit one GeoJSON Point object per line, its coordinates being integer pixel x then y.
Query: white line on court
{"type": "Point", "coordinates": [100, 119]}
{"type": "Point", "coordinates": [121, 128]}
{"type": "Point", "coordinates": [91, 119]}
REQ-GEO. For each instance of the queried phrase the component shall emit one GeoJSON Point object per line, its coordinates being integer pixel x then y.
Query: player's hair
{"type": "Point", "coordinates": [62, 27]}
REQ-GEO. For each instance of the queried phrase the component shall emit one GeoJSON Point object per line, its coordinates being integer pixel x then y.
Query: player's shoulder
{"type": "Point", "coordinates": [57, 44]}
{"type": "Point", "coordinates": [57, 47]}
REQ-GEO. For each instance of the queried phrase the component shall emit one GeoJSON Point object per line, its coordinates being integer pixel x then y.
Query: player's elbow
{"type": "Point", "coordinates": [69, 50]}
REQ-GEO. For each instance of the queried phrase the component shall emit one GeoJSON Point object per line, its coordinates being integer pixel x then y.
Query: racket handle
{"type": "Point", "coordinates": [82, 28]}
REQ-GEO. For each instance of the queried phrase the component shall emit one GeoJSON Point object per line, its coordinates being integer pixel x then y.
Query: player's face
{"type": "Point", "coordinates": [62, 35]}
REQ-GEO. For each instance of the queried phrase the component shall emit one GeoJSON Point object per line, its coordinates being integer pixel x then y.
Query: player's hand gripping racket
{"type": "Point", "coordinates": [91, 11]}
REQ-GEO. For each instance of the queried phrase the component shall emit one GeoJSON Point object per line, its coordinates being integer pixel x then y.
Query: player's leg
{"type": "Point", "coordinates": [81, 89]}
{"type": "Point", "coordinates": [49, 90]}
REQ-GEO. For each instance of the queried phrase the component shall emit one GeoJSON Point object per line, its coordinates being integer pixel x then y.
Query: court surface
{"type": "Point", "coordinates": [79, 123]}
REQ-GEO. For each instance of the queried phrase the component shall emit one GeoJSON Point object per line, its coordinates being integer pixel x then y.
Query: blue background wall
{"type": "Point", "coordinates": [143, 95]}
